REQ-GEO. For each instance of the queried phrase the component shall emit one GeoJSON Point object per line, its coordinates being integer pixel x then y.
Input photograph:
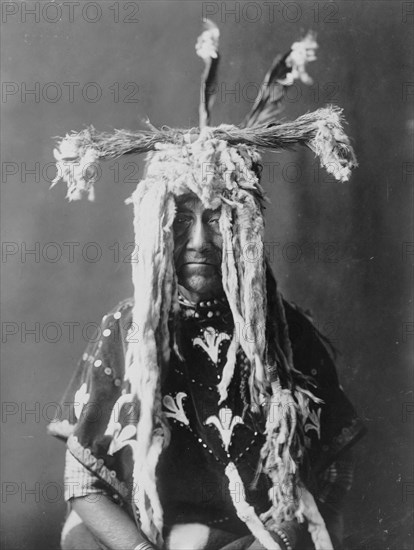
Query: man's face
{"type": "Point", "coordinates": [197, 249]}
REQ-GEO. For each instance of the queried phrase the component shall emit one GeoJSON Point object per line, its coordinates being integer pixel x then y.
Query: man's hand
{"type": "Point", "coordinates": [110, 524]}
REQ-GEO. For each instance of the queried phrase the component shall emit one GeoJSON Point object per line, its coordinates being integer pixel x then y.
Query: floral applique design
{"type": "Point", "coordinates": [80, 400]}
{"type": "Point", "coordinates": [210, 342]}
{"type": "Point", "coordinates": [225, 424]}
{"type": "Point", "coordinates": [175, 407]}
{"type": "Point", "coordinates": [121, 436]}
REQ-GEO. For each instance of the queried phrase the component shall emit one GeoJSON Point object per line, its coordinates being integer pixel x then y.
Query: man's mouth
{"type": "Point", "coordinates": [198, 265]}
{"type": "Point", "coordinates": [205, 262]}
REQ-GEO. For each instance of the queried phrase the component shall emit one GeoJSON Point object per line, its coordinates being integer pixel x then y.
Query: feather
{"type": "Point", "coordinates": [207, 49]}
{"type": "Point", "coordinates": [282, 74]}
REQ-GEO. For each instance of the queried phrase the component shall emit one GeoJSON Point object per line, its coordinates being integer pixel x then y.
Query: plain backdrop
{"type": "Point", "coordinates": [344, 251]}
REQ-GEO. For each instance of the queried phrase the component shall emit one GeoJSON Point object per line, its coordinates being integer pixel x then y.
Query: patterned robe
{"type": "Point", "coordinates": [101, 414]}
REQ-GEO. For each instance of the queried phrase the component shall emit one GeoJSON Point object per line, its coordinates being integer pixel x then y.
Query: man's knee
{"type": "Point", "coordinates": [196, 536]}
{"type": "Point", "coordinates": [187, 536]}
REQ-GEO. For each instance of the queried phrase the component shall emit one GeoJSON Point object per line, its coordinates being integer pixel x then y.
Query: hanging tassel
{"type": "Point", "coordinates": [307, 510]}
{"type": "Point", "coordinates": [278, 462]}
{"type": "Point", "coordinates": [76, 164]}
{"type": "Point", "coordinates": [332, 145]}
{"type": "Point", "coordinates": [289, 496]}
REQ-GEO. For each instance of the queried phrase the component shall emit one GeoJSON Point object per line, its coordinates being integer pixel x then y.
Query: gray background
{"type": "Point", "coordinates": [337, 249]}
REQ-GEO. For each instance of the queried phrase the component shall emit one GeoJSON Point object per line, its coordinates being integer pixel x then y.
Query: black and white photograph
{"type": "Point", "coordinates": [207, 250]}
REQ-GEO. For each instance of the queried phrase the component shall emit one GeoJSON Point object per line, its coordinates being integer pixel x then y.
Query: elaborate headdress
{"type": "Point", "coordinates": [220, 166]}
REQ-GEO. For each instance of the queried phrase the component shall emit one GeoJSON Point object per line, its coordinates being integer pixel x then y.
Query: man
{"type": "Point", "coordinates": [208, 414]}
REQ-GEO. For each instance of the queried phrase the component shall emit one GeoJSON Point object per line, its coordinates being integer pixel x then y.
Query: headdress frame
{"type": "Point", "coordinates": [217, 163]}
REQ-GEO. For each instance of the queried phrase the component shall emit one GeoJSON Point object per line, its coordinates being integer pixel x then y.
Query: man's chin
{"type": "Point", "coordinates": [204, 284]}
{"type": "Point", "coordinates": [199, 274]}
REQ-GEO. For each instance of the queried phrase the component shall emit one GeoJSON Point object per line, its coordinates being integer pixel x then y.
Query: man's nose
{"type": "Point", "coordinates": [198, 235]}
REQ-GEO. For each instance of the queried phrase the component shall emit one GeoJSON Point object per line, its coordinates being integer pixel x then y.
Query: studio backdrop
{"type": "Point", "coordinates": [341, 250]}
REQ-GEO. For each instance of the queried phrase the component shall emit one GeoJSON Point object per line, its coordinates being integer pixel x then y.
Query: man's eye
{"type": "Point", "coordinates": [214, 220]}
{"type": "Point", "coordinates": [181, 219]}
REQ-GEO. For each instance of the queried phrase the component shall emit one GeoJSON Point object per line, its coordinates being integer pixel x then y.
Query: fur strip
{"type": "Point", "coordinates": [316, 525]}
{"type": "Point", "coordinates": [228, 369]}
{"type": "Point", "coordinates": [245, 511]}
